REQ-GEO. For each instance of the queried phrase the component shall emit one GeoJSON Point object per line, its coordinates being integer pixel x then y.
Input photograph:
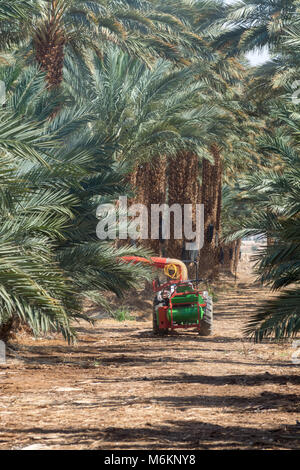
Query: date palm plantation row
{"type": "Point", "coordinates": [153, 99]}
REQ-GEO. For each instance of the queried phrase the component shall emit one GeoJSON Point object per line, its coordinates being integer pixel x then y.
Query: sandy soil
{"type": "Point", "coordinates": [122, 388]}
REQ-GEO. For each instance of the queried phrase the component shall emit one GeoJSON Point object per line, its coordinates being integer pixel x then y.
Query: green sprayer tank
{"type": "Point", "coordinates": [185, 308]}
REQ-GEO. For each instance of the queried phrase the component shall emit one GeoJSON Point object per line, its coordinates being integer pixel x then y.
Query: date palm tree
{"type": "Point", "coordinates": [273, 194]}
{"type": "Point", "coordinates": [254, 24]}
{"type": "Point", "coordinates": [54, 174]}
{"type": "Point", "coordinates": [143, 29]}
{"type": "Point", "coordinates": [158, 114]}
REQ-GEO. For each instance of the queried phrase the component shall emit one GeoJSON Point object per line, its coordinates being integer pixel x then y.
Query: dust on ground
{"type": "Point", "coordinates": [120, 387]}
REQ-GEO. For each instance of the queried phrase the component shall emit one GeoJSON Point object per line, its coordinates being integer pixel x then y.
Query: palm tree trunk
{"type": "Point", "coordinates": [183, 184]}
{"type": "Point", "coordinates": [211, 197]}
{"type": "Point", "coordinates": [231, 257]}
{"type": "Point", "coordinates": [228, 266]}
{"type": "Point", "coordinates": [6, 330]}
{"type": "Point", "coordinates": [236, 256]}
{"type": "Point", "coordinates": [49, 43]}
{"type": "Point", "coordinates": [155, 193]}
{"type": "Point", "coordinates": [148, 181]}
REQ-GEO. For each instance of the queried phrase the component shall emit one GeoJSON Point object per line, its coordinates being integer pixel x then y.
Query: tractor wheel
{"type": "Point", "coordinates": [206, 325]}
{"type": "Point", "coordinates": [156, 330]}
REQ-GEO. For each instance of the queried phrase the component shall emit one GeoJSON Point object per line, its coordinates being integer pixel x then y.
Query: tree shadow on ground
{"type": "Point", "coordinates": [191, 434]}
{"type": "Point", "coordinates": [246, 380]}
{"type": "Point", "coordinates": [266, 401]}
{"type": "Point", "coordinates": [201, 435]}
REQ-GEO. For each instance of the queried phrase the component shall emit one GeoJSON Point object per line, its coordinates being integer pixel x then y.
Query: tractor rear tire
{"type": "Point", "coordinates": [156, 330]}
{"type": "Point", "coordinates": [206, 325]}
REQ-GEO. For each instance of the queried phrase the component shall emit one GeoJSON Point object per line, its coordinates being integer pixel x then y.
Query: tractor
{"type": "Point", "coordinates": [178, 303]}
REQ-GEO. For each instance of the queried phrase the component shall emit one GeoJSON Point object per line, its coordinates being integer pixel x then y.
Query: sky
{"type": "Point", "coordinates": [255, 57]}
{"type": "Point", "coordinates": [259, 57]}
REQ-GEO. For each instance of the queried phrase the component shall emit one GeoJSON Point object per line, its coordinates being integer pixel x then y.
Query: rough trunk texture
{"type": "Point", "coordinates": [183, 184]}
{"type": "Point", "coordinates": [237, 253]}
{"type": "Point", "coordinates": [211, 197]}
{"type": "Point", "coordinates": [148, 181]}
{"type": "Point", "coordinates": [9, 329]}
{"type": "Point", "coordinates": [6, 330]}
{"type": "Point", "coordinates": [231, 257]}
{"type": "Point", "coordinates": [155, 193]}
{"type": "Point", "coordinates": [228, 259]}
{"type": "Point", "coordinates": [49, 42]}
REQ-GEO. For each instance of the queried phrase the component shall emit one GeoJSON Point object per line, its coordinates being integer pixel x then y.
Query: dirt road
{"type": "Point", "coordinates": [122, 388]}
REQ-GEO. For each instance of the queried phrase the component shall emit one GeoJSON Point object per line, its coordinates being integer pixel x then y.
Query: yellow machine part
{"type": "Point", "coordinates": [173, 271]}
